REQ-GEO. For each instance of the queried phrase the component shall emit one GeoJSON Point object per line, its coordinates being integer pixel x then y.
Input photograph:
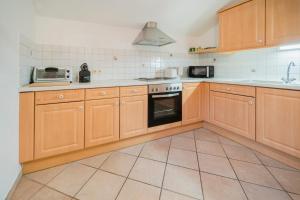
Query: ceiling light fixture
{"type": "Point", "coordinates": [289, 47]}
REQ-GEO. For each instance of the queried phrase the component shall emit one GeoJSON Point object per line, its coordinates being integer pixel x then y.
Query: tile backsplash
{"type": "Point", "coordinates": [105, 64]}
{"type": "Point", "coordinates": [258, 64]}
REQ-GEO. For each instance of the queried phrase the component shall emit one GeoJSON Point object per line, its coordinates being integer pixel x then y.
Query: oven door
{"type": "Point", "coordinates": [164, 108]}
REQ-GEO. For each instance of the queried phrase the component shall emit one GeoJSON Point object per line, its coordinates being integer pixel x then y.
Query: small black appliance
{"type": "Point", "coordinates": [201, 71]}
{"type": "Point", "coordinates": [84, 74]}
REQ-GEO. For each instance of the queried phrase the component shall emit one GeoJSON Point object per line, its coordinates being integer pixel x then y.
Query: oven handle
{"type": "Point", "coordinates": [165, 95]}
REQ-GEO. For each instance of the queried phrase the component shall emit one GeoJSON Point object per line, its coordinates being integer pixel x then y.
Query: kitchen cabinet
{"type": "Point", "coordinates": [233, 112]}
{"type": "Point", "coordinates": [133, 116]}
{"type": "Point", "coordinates": [191, 103]}
{"type": "Point", "coordinates": [278, 119]}
{"type": "Point", "coordinates": [242, 26]}
{"type": "Point", "coordinates": [204, 92]}
{"type": "Point", "coordinates": [282, 21]}
{"type": "Point", "coordinates": [26, 127]}
{"type": "Point", "coordinates": [59, 128]}
{"type": "Point", "coordinates": [101, 121]}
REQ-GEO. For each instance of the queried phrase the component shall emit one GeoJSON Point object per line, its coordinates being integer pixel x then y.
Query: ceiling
{"type": "Point", "coordinates": [181, 17]}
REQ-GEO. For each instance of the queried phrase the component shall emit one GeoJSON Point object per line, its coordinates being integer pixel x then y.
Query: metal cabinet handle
{"type": "Point", "coordinates": [102, 93]}
{"type": "Point", "coordinates": [228, 89]}
{"type": "Point", "coordinates": [134, 91]}
{"type": "Point", "coordinates": [81, 108]}
{"type": "Point", "coordinates": [61, 96]}
{"type": "Point", "coordinates": [251, 102]}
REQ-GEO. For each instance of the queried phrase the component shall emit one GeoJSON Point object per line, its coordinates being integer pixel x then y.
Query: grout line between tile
{"type": "Point", "coordinates": [129, 172]}
{"type": "Point", "coordinates": [162, 183]}
{"type": "Point", "coordinates": [199, 166]}
{"type": "Point", "coordinates": [235, 173]}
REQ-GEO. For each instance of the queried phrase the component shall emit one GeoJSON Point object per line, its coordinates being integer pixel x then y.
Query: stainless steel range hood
{"type": "Point", "coordinates": [152, 36]}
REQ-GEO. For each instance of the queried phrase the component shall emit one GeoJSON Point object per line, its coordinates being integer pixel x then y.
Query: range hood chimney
{"type": "Point", "coordinates": [152, 36]}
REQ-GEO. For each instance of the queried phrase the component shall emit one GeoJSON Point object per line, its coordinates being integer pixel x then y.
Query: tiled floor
{"type": "Point", "coordinates": [168, 169]}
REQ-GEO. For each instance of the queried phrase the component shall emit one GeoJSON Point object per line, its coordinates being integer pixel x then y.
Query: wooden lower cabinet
{"type": "Point", "coordinates": [133, 116]}
{"type": "Point", "coordinates": [233, 112]}
{"type": "Point", "coordinates": [278, 119]}
{"type": "Point", "coordinates": [59, 128]}
{"type": "Point", "coordinates": [191, 103]}
{"type": "Point", "coordinates": [101, 121]}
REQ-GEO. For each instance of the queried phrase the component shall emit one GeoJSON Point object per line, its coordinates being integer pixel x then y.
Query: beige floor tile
{"type": "Point", "coordinates": [241, 153]}
{"type": "Point", "coordinates": [216, 165]}
{"type": "Point", "coordinates": [189, 134]}
{"type": "Point", "coordinates": [156, 150]}
{"type": "Point", "coordinates": [148, 171]}
{"type": "Point", "coordinates": [95, 161]}
{"type": "Point", "coordinates": [227, 141]}
{"type": "Point", "coordinates": [133, 190]}
{"type": "Point", "coordinates": [290, 180]}
{"type": "Point", "coordinates": [254, 173]}
{"type": "Point", "coordinates": [26, 189]}
{"type": "Point", "coordinates": [256, 192]}
{"type": "Point", "coordinates": [210, 148]}
{"type": "Point", "coordinates": [102, 185]}
{"type": "Point", "coordinates": [49, 194]}
{"type": "Point", "coordinates": [168, 195]}
{"type": "Point", "coordinates": [295, 196]}
{"type": "Point", "coordinates": [182, 180]}
{"type": "Point", "coordinates": [206, 135]}
{"type": "Point", "coordinates": [72, 179]}
{"type": "Point", "coordinates": [273, 163]}
{"type": "Point", "coordinates": [183, 158]}
{"type": "Point", "coordinates": [44, 176]}
{"type": "Point", "coordinates": [221, 188]}
{"type": "Point", "coordinates": [133, 150]}
{"type": "Point", "coordinates": [183, 143]}
{"type": "Point", "coordinates": [119, 163]}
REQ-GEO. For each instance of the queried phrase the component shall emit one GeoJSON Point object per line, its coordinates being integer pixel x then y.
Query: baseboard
{"type": "Point", "coordinates": [268, 151]}
{"type": "Point", "coordinates": [89, 152]}
{"type": "Point", "coordinates": [14, 186]}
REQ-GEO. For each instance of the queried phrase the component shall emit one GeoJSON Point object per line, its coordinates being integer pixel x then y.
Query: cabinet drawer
{"type": "Point", "coordinates": [233, 89]}
{"type": "Point", "coordinates": [133, 91]}
{"type": "Point", "coordinates": [101, 93]}
{"type": "Point", "coordinates": [59, 96]}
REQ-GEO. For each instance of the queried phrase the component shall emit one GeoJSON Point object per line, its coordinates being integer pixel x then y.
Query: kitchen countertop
{"type": "Point", "coordinates": [120, 83]}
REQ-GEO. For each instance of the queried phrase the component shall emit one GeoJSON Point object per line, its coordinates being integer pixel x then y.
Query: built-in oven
{"type": "Point", "coordinates": [164, 104]}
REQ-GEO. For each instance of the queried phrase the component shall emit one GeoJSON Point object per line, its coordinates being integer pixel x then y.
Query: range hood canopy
{"type": "Point", "coordinates": [152, 36]}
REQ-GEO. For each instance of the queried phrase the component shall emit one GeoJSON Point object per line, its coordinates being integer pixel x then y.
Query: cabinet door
{"type": "Point", "coordinates": [283, 21]}
{"type": "Point", "coordinates": [278, 119]}
{"type": "Point", "coordinates": [133, 116]}
{"type": "Point", "coordinates": [191, 103]}
{"type": "Point", "coordinates": [243, 26]}
{"type": "Point", "coordinates": [59, 128]}
{"type": "Point", "coordinates": [233, 112]}
{"type": "Point", "coordinates": [101, 121]}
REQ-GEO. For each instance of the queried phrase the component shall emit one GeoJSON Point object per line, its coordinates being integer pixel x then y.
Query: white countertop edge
{"type": "Point", "coordinates": [123, 83]}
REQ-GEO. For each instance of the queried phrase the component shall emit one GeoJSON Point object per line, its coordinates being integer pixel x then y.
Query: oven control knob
{"type": "Point", "coordinates": [174, 88]}
{"type": "Point", "coordinates": [156, 89]}
{"type": "Point", "coordinates": [170, 88]}
{"type": "Point", "coordinates": [167, 88]}
{"type": "Point", "coordinates": [177, 88]}
{"type": "Point", "coordinates": [152, 90]}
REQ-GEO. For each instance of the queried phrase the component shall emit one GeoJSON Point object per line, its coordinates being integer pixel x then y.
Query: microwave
{"type": "Point", "coordinates": [201, 71]}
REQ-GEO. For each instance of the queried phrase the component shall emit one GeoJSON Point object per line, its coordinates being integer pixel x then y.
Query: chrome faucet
{"type": "Point", "coordinates": [288, 79]}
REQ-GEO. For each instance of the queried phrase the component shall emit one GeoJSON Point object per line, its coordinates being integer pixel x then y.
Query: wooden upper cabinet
{"type": "Point", "coordinates": [191, 103]}
{"type": "Point", "coordinates": [242, 26]}
{"type": "Point", "coordinates": [283, 21]}
{"type": "Point", "coordinates": [133, 116]}
{"type": "Point", "coordinates": [102, 121]}
{"type": "Point", "coordinates": [278, 119]}
{"type": "Point", "coordinates": [233, 112]}
{"type": "Point", "coordinates": [59, 128]}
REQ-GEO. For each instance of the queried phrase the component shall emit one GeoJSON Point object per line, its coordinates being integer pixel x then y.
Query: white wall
{"type": "Point", "coordinates": [74, 33]}
{"type": "Point", "coordinates": [16, 17]}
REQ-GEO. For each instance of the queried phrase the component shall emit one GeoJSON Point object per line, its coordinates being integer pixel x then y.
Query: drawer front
{"type": "Point", "coordinates": [101, 93]}
{"type": "Point", "coordinates": [133, 91]}
{"type": "Point", "coordinates": [59, 96]}
{"type": "Point", "coordinates": [233, 89]}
